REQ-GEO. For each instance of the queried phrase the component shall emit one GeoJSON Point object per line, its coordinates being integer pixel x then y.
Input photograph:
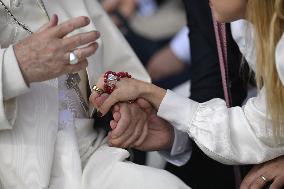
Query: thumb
{"type": "Point", "coordinates": [53, 22]}
{"type": "Point", "coordinates": [145, 105]}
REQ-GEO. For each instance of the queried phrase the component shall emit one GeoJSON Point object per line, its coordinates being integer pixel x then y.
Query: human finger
{"type": "Point", "coordinates": [116, 108]}
{"type": "Point", "coordinates": [53, 22]}
{"type": "Point", "coordinates": [81, 53]}
{"type": "Point", "coordinates": [97, 99]}
{"type": "Point", "coordinates": [95, 95]}
{"type": "Point", "coordinates": [113, 124]}
{"type": "Point", "coordinates": [277, 183]}
{"type": "Point", "coordinates": [85, 52]}
{"type": "Point", "coordinates": [250, 177]}
{"type": "Point", "coordinates": [69, 26]}
{"type": "Point", "coordinates": [119, 141]}
{"type": "Point", "coordinates": [124, 122]}
{"type": "Point", "coordinates": [143, 136]}
{"type": "Point", "coordinates": [76, 67]}
{"type": "Point", "coordinates": [116, 116]}
{"type": "Point", "coordinates": [134, 137]}
{"type": "Point", "coordinates": [109, 102]}
{"type": "Point", "coordinates": [80, 39]}
{"type": "Point", "coordinates": [260, 182]}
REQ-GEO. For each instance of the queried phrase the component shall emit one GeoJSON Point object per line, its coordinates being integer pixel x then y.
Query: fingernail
{"type": "Point", "coordinates": [99, 114]}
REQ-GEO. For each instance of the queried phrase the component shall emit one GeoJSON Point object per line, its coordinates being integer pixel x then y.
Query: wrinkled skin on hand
{"type": "Point", "coordinates": [45, 54]}
{"type": "Point", "coordinates": [137, 125]}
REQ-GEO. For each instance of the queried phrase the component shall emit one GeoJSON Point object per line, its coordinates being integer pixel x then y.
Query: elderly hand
{"type": "Point", "coordinates": [129, 126]}
{"type": "Point", "coordinates": [45, 54]}
{"type": "Point", "coordinates": [137, 125]}
{"type": "Point", "coordinates": [156, 134]}
{"type": "Point", "coordinates": [268, 172]}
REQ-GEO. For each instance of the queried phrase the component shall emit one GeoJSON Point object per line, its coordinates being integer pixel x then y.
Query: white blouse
{"type": "Point", "coordinates": [237, 135]}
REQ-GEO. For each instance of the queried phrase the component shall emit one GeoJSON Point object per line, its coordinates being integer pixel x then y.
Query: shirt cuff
{"type": "Point", "coordinates": [13, 80]}
{"type": "Point", "coordinates": [178, 110]}
{"type": "Point", "coordinates": [181, 149]}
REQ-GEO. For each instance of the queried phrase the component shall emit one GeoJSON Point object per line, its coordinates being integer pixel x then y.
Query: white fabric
{"type": "Point", "coordinates": [237, 135]}
{"type": "Point", "coordinates": [242, 32]}
{"type": "Point", "coordinates": [37, 150]}
{"type": "Point", "coordinates": [180, 45]}
{"type": "Point", "coordinates": [11, 70]}
{"type": "Point", "coordinates": [279, 59]}
{"type": "Point", "coordinates": [181, 149]}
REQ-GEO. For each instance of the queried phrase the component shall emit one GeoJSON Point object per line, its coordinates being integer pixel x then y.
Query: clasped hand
{"type": "Point", "coordinates": [134, 124]}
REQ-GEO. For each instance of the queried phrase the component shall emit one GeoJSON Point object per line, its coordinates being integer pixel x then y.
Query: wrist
{"type": "Point", "coordinates": [17, 48]}
{"type": "Point", "coordinates": [153, 94]}
{"type": "Point", "coordinates": [171, 138]}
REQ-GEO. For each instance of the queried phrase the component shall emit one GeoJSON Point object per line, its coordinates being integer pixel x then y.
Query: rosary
{"type": "Point", "coordinates": [73, 79]}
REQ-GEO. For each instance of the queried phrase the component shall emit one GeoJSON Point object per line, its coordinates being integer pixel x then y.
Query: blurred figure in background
{"type": "Point", "coordinates": [148, 25]}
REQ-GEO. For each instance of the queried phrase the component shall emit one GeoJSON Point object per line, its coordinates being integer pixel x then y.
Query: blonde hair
{"type": "Point", "coordinates": [267, 16]}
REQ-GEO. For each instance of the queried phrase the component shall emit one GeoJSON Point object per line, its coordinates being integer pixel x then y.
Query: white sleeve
{"type": "Point", "coordinates": [279, 59]}
{"type": "Point", "coordinates": [180, 45]}
{"type": "Point", "coordinates": [238, 135]}
{"type": "Point", "coordinates": [180, 152]}
{"type": "Point", "coordinates": [13, 81]}
{"type": "Point", "coordinates": [12, 84]}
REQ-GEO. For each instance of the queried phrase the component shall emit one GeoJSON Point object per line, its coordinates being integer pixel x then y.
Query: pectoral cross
{"type": "Point", "coordinates": [72, 82]}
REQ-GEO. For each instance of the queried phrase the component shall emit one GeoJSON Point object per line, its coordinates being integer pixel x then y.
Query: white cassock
{"type": "Point", "coordinates": [45, 139]}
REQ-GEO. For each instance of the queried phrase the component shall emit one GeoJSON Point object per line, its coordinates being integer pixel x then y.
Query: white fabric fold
{"type": "Point", "coordinates": [13, 80]}
{"type": "Point", "coordinates": [279, 59]}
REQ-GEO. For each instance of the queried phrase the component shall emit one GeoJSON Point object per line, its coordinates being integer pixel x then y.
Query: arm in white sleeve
{"type": "Point", "coordinates": [180, 45]}
{"type": "Point", "coordinates": [180, 152]}
{"type": "Point", "coordinates": [238, 135]}
{"type": "Point", "coordinates": [12, 85]}
{"type": "Point", "coordinates": [12, 78]}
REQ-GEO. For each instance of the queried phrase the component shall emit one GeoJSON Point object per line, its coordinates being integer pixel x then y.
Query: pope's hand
{"type": "Point", "coordinates": [45, 54]}
{"type": "Point", "coordinates": [129, 125]}
{"type": "Point", "coordinates": [151, 134]}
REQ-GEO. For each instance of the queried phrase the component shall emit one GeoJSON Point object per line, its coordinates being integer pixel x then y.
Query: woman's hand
{"type": "Point", "coordinates": [128, 89]}
{"type": "Point", "coordinates": [45, 54]}
{"type": "Point", "coordinates": [272, 171]}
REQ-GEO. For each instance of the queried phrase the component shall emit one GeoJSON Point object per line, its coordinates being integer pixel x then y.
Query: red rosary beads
{"type": "Point", "coordinates": [110, 79]}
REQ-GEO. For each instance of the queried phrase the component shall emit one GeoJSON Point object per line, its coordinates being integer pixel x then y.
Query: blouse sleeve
{"type": "Point", "coordinates": [279, 59]}
{"type": "Point", "coordinates": [238, 135]}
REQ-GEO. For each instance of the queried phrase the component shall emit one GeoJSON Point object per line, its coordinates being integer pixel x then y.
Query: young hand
{"type": "Point", "coordinates": [127, 89]}
{"type": "Point", "coordinates": [272, 171]}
